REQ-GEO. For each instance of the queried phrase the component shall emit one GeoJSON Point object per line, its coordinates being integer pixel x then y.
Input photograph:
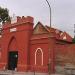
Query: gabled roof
{"type": "Point", "coordinates": [58, 34]}
{"type": "Point", "coordinates": [39, 29]}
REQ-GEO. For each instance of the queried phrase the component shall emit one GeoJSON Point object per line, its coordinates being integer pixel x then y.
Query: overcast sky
{"type": "Point", "coordinates": [63, 11]}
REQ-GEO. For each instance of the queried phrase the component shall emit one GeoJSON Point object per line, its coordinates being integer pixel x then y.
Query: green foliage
{"type": "Point", "coordinates": [73, 40]}
{"type": "Point", "coordinates": [4, 15]}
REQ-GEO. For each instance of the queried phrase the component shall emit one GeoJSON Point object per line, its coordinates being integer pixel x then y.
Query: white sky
{"type": "Point", "coordinates": [63, 11]}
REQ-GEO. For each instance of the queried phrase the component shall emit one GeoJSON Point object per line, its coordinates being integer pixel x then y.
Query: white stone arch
{"type": "Point", "coordinates": [36, 54]}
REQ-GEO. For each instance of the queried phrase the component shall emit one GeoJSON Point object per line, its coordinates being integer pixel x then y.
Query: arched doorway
{"type": "Point", "coordinates": [12, 54]}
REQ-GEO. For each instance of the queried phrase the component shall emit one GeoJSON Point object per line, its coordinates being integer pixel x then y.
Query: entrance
{"type": "Point", "coordinates": [12, 60]}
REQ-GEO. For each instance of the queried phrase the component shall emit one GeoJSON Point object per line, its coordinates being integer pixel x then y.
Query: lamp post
{"type": "Point", "coordinates": [49, 61]}
{"type": "Point", "coordinates": [49, 11]}
{"type": "Point", "coordinates": [74, 31]}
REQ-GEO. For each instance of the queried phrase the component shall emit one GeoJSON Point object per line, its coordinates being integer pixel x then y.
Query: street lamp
{"type": "Point", "coordinates": [49, 10]}
{"type": "Point", "coordinates": [49, 61]}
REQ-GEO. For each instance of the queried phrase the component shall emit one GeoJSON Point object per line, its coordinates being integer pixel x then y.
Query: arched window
{"type": "Point", "coordinates": [38, 56]}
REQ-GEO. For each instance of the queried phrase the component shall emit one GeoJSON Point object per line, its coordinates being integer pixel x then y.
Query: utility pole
{"type": "Point", "coordinates": [74, 31]}
{"type": "Point", "coordinates": [49, 59]}
{"type": "Point", "coordinates": [49, 11]}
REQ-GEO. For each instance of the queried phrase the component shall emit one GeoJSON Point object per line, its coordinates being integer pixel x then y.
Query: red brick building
{"type": "Point", "coordinates": [26, 48]}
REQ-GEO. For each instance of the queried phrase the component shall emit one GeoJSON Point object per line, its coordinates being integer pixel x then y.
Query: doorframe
{"type": "Point", "coordinates": [8, 60]}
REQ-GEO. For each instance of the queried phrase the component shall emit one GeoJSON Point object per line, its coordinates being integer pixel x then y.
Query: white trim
{"type": "Point", "coordinates": [13, 29]}
{"type": "Point", "coordinates": [0, 36]}
{"type": "Point", "coordinates": [64, 38]}
{"type": "Point", "coordinates": [36, 53]}
{"type": "Point", "coordinates": [61, 33]}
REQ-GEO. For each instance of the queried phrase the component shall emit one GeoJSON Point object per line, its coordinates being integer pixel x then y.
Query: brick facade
{"type": "Point", "coordinates": [34, 46]}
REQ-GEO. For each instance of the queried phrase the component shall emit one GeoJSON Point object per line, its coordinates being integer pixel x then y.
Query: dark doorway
{"type": "Point", "coordinates": [12, 60]}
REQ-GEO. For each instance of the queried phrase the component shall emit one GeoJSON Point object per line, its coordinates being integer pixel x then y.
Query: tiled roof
{"type": "Point", "coordinates": [58, 34]}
